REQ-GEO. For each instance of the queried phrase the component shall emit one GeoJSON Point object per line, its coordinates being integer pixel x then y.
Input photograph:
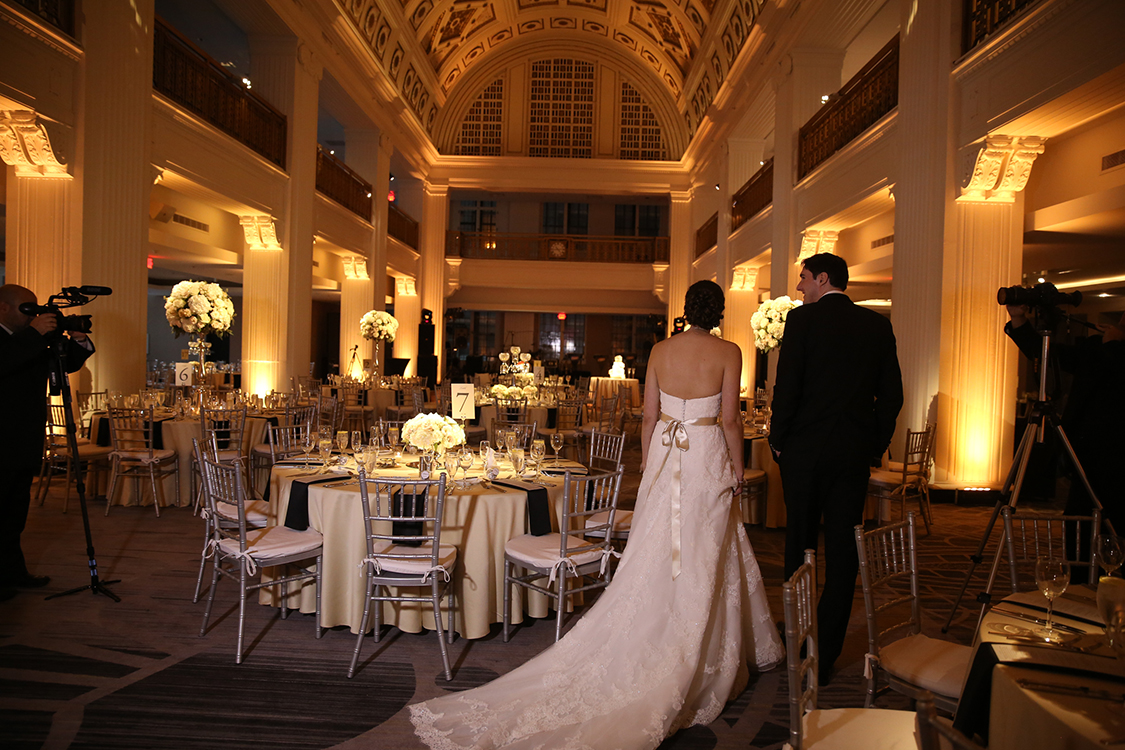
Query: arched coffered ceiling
{"type": "Point", "coordinates": [428, 46]}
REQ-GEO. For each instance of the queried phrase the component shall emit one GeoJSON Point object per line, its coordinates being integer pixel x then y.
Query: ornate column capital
{"type": "Point", "coordinates": [997, 168]}
{"type": "Point", "coordinates": [355, 268]}
{"type": "Point", "coordinates": [24, 144]}
{"type": "Point", "coordinates": [435, 190]}
{"type": "Point", "coordinates": [815, 241]}
{"type": "Point", "coordinates": [404, 287]}
{"type": "Point", "coordinates": [260, 233]}
{"type": "Point", "coordinates": [744, 280]}
{"type": "Point", "coordinates": [453, 276]}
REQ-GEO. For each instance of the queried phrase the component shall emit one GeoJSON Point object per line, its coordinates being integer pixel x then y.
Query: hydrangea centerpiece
{"type": "Point", "coordinates": [199, 307]}
{"type": "Point", "coordinates": [378, 325]}
{"type": "Point", "coordinates": [769, 322]}
{"type": "Point", "coordinates": [432, 433]}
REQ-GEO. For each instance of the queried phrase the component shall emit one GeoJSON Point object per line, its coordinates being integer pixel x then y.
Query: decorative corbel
{"type": "Point", "coordinates": [25, 145]}
{"type": "Point", "coordinates": [744, 280]}
{"type": "Point", "coordinates": [404, 287]}
{"type": "Point", "coordinates": [453, 275]}
{"type": "Point", "coordinates": [355, 268]}
{"type": "Point", "coordinates": [660, 281]}
{"type": "Point", "coordinates": [998, 168]}
{"type": "Point", "coordinates": [815, 241]}
{"type": "Point", "coordinates": [259, 232]}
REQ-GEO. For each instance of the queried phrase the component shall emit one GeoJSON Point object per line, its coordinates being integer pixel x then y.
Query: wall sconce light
{"type": "Point", "coordinates": [824, 99]}
{"type": "Point", "coordinates": [245, 81]}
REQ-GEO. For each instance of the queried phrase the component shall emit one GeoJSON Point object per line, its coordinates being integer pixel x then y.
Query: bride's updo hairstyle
{"type": "Point", "coordinates": [704, 304]}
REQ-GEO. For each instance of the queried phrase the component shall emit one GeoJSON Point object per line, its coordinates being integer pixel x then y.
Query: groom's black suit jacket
{"type": "Point", "coordinates": [838, 385]}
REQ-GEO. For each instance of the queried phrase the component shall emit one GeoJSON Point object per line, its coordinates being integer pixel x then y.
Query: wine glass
{"type": "Point", "coordinates": [324, 445]}
{"type": "Point", "coordinates": [556, 445]}
{"type": "Point", "coordinates": [538, 451]}
{"type": "Point", "coordinates": [308, 442]}
{"type": "Point", "coordinates": [451, 461]}
{"type": "Point", "coordinates": [392, 438]}
{"type": "Point", "coordinates": [510, 441]}
{"type": "Point", "coordinates": [1052, 576]}
{"type": "Point", "coordinates": [465, 461]}
{"type": "Point", "coordinates": [484, 446]}
{"type": "Point", "coordinates": [357, 441]}
{"type": "Point", "coordinates": [519, 461]}
{"type": "Point", "coordinates": [1109, 552]}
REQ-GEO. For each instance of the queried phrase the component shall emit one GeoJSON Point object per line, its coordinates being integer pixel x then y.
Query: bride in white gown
{"type": "Point", "coordinates": [674, 636]}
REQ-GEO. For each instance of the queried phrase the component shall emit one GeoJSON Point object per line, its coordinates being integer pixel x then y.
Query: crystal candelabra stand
{"type": "Point", "coordinates": [512, 361]}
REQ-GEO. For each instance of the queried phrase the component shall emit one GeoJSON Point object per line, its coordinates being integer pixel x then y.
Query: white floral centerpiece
{"type": "Point", "coordinates": [432, 433]}
{"type": "Point", "coordinates": [768, 322]}
{"type": "Point", "coordinates": [378, 325]}
{"type": "Point", "coordinates": [524, 378]}
{"type": "Point", "coordinates": [530, 391]}
{"type": "Point", "coordinates": [514, 391]}
{"type": "Point", "coordinates": [199, 307]}
{"type": "Point", "coordinates": [498, 391]}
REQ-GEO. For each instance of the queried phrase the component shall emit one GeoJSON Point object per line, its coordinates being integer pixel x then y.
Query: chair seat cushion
{"type": "Point", "coordinates": [414, 566]}
{"type": "Point", "coordinates": [753, 476]}
{"type": "Point", "coordinates": [937, 666]}
{"type": "Point", "coordinates": [622, 521]}
{"type": "Point", "coordinates": [143, 456]}
{"type": "Point", "coordinates": [868, 728]}
{"type": "Point", "coordinates": [257, 512]}
{"type": "Point", "coordinates": [87, 451]}
{"type": "Point", "coordinates": [261, 449]}
{"type": "Point", "coordinates": [274, 545]}
{"type": "Point", "coordinates": [542, 552]}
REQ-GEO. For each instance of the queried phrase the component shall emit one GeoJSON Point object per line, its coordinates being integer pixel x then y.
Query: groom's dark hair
{"type": "Point", "coordinates": [833, 265]}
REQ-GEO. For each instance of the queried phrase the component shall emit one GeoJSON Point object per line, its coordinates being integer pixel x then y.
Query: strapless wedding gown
{"type": "Point", "coordinates": [662, 648]}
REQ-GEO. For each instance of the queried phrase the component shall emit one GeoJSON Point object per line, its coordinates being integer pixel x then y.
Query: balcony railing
{"type": "Point", "coordinates": [401, 226]}
{"type": "Point", "coordinates": [58, 13]}
{"type": "Point", "coordinates": [186, 75]}
{"type": "Point", "coordinates": [563, 247]}
{"type": "Point", "coordinates": [752, 197]}
{"type": "Point", "coordinates": [872, 93]}
{"type": "Point", "coordinates": [982, 18]}
{"type": "Point", "coordinates": [337, 181]}
{"type": "Point", "coordinates": [707, 236]}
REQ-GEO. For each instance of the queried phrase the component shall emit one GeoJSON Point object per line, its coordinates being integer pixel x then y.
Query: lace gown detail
{"type": "Point", "coordinates": [655, 653]}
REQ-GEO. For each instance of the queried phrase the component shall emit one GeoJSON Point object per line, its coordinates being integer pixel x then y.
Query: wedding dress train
{"type": "Point", "coordinates": [665, 646]}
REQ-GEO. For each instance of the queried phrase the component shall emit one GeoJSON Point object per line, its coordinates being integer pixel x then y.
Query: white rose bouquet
{"type": "Point", "coordinates": [433, 432]}
{"type": "Point", "coordinates": [199, 307]}
{"type": "Point", "coordinates": [768, 322]}
{"type": "Point", "coordinates": [498, 391]}
{"type": "Point", "coordinates": [378, 325]}
{"type": "Point", "coordinates": [530, 391]}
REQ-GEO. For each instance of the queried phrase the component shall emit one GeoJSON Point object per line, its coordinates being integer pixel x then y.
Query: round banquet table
{"type": "Point", "coordinates": [478, 521]}
{"type": "Point", "coordinates": [176, 435]}
{"type": "Point", "coordinates": [608, 387]}
{"type": "Point", "coordinates": [1023, 692]}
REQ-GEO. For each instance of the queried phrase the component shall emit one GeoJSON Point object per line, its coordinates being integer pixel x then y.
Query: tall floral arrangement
{"type": "Point", "coordinates": [769, 322]}
{"type": "Point", "coordinates": [432, 432]}
{"type": "Point", "coordinates": [378, 325]}
{"type": "Point", "coordinates": [199, 307]}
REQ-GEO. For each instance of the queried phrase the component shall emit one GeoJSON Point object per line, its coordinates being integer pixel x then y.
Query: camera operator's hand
{"type": "Point", "coordinates": [77, 336]}
{"type": "Point", "coordinates": [1018, 314]}
{"type": "Point", "coordinates": [45, 323]}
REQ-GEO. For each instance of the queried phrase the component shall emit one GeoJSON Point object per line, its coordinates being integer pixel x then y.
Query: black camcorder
{"type": "Point", "coordinates": [1041, 295]}
{"type": "Point", "coordinates": [71, 296]}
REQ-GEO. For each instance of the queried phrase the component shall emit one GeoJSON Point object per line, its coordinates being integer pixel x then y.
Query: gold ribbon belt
{"type": "Point", "coordinates": [675, 436]}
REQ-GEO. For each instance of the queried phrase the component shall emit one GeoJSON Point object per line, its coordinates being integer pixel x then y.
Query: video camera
{"type": "Point", "coordinates": [71, 296]}
{"type": "Point", "coordinates": [1041, 295]}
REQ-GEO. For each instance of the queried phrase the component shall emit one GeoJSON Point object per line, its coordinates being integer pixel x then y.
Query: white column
{"type": "Point", "coordinates": [924, 197]}
{"type": "Point", "coordinates": [976, 411]}
{"type": "Point", "coordinates": [116, 185]}
{"type": "Point", "coordinates": [742, 302]}
{"type": "Point", "coordinates": [431, 264]}
{"type": "Point", "coordinates": [803, 78]}
{"type": "Point", "coordinates": [42, 252]}
{"type": "Point", "coordinates": [287, 74]}
{"type": "Point", "coordinates": [681, 244]}
{"type": "Point", "coordinates": [357, 291]}
{"type": "Point", "coordinates": [264, 291]}
{"type": "Point", "coordinates": [408, 311]}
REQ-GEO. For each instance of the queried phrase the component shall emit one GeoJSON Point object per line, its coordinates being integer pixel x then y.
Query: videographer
{"type": "Point", "coordinates": [1094, 415]}
{"type": "Point", "coordinates": [25, 362]}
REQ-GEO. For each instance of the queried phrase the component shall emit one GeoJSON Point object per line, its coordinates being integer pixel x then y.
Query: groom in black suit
{"type": "Point", "coordinates": [837, 394]}
{"type": "Point", "coordinates": [25, 362]}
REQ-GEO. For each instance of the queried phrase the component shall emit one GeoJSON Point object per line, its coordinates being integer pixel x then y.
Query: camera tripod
{"type": "Point", "coordinates": [60, 385]}
{"type": "Point", "coordinates": [1041, 415]}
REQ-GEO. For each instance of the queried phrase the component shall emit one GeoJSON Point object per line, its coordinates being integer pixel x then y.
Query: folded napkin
{"type": "Point", "coordinates": [297, 514]}
{"type": "Point", "coordinates": [490, 462]}
{"type": "Point", "coordinates": [538, 505]}
{"type": "Point", "coordinates": [1070, 604]}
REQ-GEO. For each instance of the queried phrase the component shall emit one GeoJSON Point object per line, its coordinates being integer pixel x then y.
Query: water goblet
{"type": "Point", "coordinates": [556, 445]}
{"type": "Point", "coordinates": [324, 445]}
{"type": "Point", "coordinates": [484, 446]}
{"type": "Point", "coordinates": [519, 461]}
{"type": "Point", "coordinates": [1052, 576]}
{"type": "Point", "coordinates": [538, 451]}
{"type": "Point", "coordinates": [308, 442]}
{"type": "Point", "coordinates": [465, 461]}
{"type": "Point", "coordinates": [1109, 552]}
{"type": "Point", "coordinates": [357, 440]}
{"type": "Point", "coordinates": [450, 460]}
{"type": "Point", "coordinates": [392, 437]}
{"type": "Point", "coordinates": [510, 439]}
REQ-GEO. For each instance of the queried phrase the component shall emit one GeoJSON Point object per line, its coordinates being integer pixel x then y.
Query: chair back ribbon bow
{"type": "Point", "coordinates": [676, 436]}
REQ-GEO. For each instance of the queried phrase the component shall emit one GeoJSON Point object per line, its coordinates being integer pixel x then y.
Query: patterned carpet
{"type": "Point", "coordinates": [82, 671]}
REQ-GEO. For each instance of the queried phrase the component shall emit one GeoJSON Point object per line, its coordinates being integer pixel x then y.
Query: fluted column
{"type": "Point", "coordinates": [357, 291]}
{"type": "Point", "coordinates": [681, 238]}
{"type": "Point", "coordinates": [976, 408]}
{"type": "Point", "coordinates": [286, 72]}
{"type": "Point", "coordinates": [116, 185]}
{"type": "Point", "coordinates": [431, 265]}
{"type": "Point", "coordinates": [408, 311]}
{"type": "Point", "coordinates": [43, 249]}
{"type": "Point", "coordinates": [923, 200]}
{"type": "Point", "coordinates": [264, 291]}
{"type": "Point", "coordinates": [742, 301]}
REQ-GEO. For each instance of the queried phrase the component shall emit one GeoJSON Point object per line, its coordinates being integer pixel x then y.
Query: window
{"type": "Point", "coordinates": [481, 129]}
{"type": "Point", "coordinates": [554, 218]}
{"type": "Point", "coordinates": [478, 216]}
{"type": "Point", "coordinates": [624, 220]}
{"type": "Point", "coordinates": [641, 137]}
{"type": "Point", "coordinates": [562, 337]}
{"type": "Point", "coordinates": [648, 221]}
{"type": "Point", "coordinates": [484, 332]}
{"type": "Point", "coordinates": [566, 218]}
{"type": "Point", "coordinates": [562, 109]}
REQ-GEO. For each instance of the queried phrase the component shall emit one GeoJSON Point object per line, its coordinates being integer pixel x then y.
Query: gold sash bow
{"type": "Point", "coordinates": [675, 436]}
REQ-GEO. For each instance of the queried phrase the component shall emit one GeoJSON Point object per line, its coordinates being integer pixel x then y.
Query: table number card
{"type": "Point", "coordinates": [464, 405]}
{"type": "Point", "coordinates": [185, 372]}
{"type": "Point", "coordinates": [540, 373]}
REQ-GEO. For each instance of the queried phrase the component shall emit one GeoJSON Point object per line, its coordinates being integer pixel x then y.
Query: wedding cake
{"type": "Point", "coordinates": [618, 368]}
